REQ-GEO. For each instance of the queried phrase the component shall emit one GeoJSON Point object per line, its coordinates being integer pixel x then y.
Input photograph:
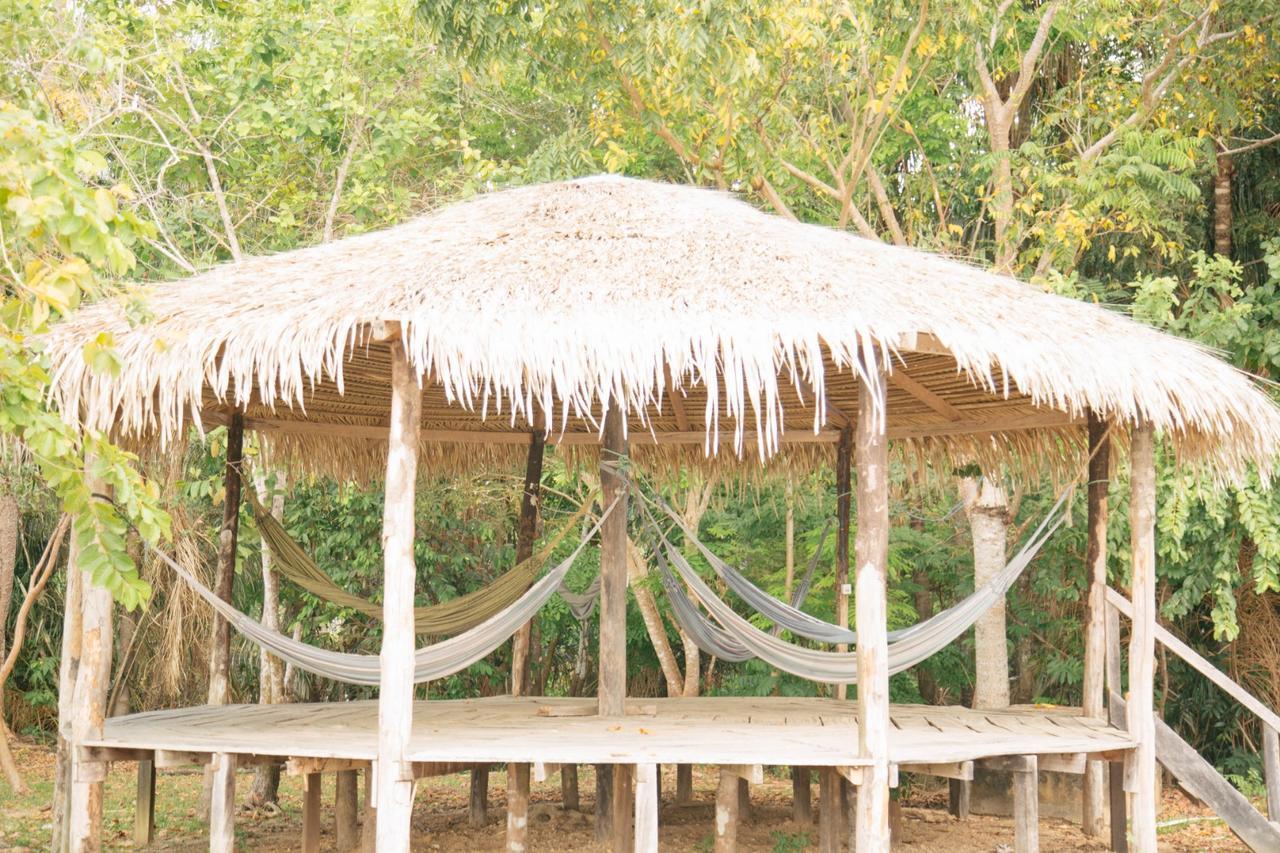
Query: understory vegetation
{"type": "Point", "coordinates": [1123, 152]}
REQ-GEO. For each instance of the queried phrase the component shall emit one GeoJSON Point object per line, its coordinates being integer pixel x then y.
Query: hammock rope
{"type": "Point", "coordinates": [734, 635]}
{"type": "Point", "coordinates": [430, 662]}
{"type": "Point", "coordinates": [448, 617]}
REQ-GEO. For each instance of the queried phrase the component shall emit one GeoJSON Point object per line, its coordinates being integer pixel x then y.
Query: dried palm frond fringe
{"type": "Point", "coordinates": [551, 303]}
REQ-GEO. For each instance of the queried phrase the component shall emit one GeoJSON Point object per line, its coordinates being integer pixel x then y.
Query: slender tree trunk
{"type": "Point", "coordinates": [791, 542]}
{"type": "Point", "coordinates": [10, 519]}
{"type": "Point", "coordinates": [67, 672]}
{"type": "Point", "coordinates": [1223, 215]}
{"type": "Point", "coordinates": [844, 494]}
{"type": "Point", "coordinates": [224, 577]}
{"type": "Point", "coordinates": [987, 506]}
{"type": "Point", "coordinates": [927, 684]}
{"type": "Point", "coordinates": [266, 778]}
{"type": "Point", "coordinates": [657, 629]}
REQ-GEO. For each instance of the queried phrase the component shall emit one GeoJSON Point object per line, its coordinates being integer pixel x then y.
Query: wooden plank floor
{"type": "Point", "coordinates": [771, 730]}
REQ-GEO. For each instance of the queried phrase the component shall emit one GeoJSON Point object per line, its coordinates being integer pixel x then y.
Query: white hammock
{"type": "Point", "coordinates": [429, 663]}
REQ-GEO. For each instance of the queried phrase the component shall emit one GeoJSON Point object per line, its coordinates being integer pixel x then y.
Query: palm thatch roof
{"type": "Point", "coordinates": [718, 327]}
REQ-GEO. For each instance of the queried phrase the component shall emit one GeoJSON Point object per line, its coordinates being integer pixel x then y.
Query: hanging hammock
{"type": "Point", "coordinates": [447, 617]}
{"type": "Point", "coordinates": [907, 647]}
{"type": "Point", "coordinates": [429, 663]}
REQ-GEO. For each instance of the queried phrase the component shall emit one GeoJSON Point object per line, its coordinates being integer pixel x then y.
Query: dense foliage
{"type": "Point", "coordinates": [1087, 146]}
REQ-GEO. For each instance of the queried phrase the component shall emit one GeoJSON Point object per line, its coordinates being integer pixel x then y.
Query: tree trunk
{"type": "Point", "coordinates": [1223, 217]}
{"type": "Point", "coordinates": [223, 580]}
{"type": "Point", "coordinates": [67, 672]}
{"type": "Point", "coordinates": [844, 456]}
{"type": "Point", "coordinates": [927, 684]}
{"type": "Point", "coordinates": [986, 507]}
{"type": "Point", "coordinates": [265, 790]}
{"type": "Point", "coordinates": [10, 518]}
{"type": "Point", "coordinates": [638, 570]}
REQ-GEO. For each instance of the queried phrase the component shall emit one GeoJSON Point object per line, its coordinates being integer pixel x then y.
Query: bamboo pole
{"type": "Point", "coordinates": [1095, 635]}
{"type": "Point", "coordinates": [872, 552]}
{"type": "Point", "coordinates": [394, 788]}
{"type": "Point", "coordinates": [1142, 640]}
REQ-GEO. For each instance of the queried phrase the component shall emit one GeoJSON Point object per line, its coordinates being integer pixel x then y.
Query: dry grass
{"type": "Point", "coordinates": [562, 299]}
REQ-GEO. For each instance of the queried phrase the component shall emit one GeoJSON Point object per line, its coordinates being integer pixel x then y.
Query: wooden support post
{"type": "Point", "coordinates": [1142, 642]}
{"type": "Point", "coordinates": [727, 802]}
{"type": "Point", "coordinates": [830, 816]}
{"type": "Point", "coordinates": [1095, 639]}
{"type": "Point", "coordinates": [604, 802]}
{"type": "Point", "coordinates": [517, 808]}
{"type": "Point", "coordinates": [346, 809]}
{"type": "Point", "coordinates": [478, 804]}
{"type": "Point", "coordinates": [801, 796]}
{"type": "Point", "coordinates": [224, 573]}
{"type": "Point", "coordinates": [89, 706]}
{"type": "Point", "coordinates": [144, 815]}
{"type": "Point", "coordinates": [526, 533]}
{"type": "Point", "coordinates": [1117, 799]}
{"type": "Point", "coordinates": [369, 830]}
{"type": "Point", "coordinates": [844, 495]}
{"type": "Point", "coordinates": [311, 812]}
{"type": "Point", "coordinates": [222, 804]}
{"type": "Point", "coordinates": [1271, 770]}
{"type": "Point", "coordinates": [613, 566]}
{"type": "Point", "coordinates": [68, 666]}
{"type": "Point", "coordinates": [1026, 808]}
{"type": "Point", "coordinates": [395, 695]}
{"type": "Point", "coordinates": [623, 793]}
{"type": "Point", "coordinates": [871, 549]}
{"type": "Point", "coordinates": [958, 798]}
{"type": "Point", "coordinates": [684, 784]}
{"type": "Point", "coordinates": [648, 797]}
{"type": "Point", "coordinates": [569, 797]}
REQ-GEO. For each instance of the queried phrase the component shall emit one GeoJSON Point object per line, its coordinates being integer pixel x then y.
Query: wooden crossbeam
{"type": "Point", "coordinates": [962, 770]}
{"type": "Point", "coordinates": [901, 379]}
{"type": "Point", "coordinates": [303, 766]}
{"type": "Point", "coordinates": [375, 432]}
{"type": "Point", "coordinates": [167, 758]}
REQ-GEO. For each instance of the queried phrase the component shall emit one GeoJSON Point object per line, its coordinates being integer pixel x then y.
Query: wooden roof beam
{"type": "Point", "coordinates": [899, 378]}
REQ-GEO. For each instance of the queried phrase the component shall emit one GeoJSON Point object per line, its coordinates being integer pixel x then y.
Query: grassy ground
{"type": "Point", "coordinates": [440, 819]}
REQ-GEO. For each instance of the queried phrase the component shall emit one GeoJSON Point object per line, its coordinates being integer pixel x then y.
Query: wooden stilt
{"type": "Point", "coordinates": [478, 803]}
{"type": "Point", "coordinates": [872, 552]}
{"type": "Point", "coordinates": [604, 802]}
{"type": "Point", "coordinates": [222, 804]}
{"type": "Point", "coordinates": [830, 817]}
{"type": "Point", "coordinates": [613, 566]}
{"type": "Point", "coordinates": [570, 800]}
{"type": "Point", "coordinates": [144, 815]}
{"type": "Point", "coordinates": [311, 812]}
{"type": "Point", "coordinates": [395, 696]}
{"type": "Point", "coordinates": [648, 797]}
{"type": "Point", "coordinates": [1095, 640]}
{"type": "Point", "coordinates": [844, 494]}
{"type": "Point", "coordinates": [517, 807]}
{"type": "Point", "coordinates": [744, 800]}
{"type": "Point", "coordinates": [1026, 808]}
{"type": "Point", "coordinates": [801, 796]}
{"type": "Point", "coordinates": [727, 802]}
{"type": "Point", "coordinates": [346, 809]}
{"type": "Point", "coordinates": [958, 798]}
{"type": "Point", "coordinates": [684, 784]}
{"type": "Point", "coordinates": [1141, 707]}
{"type": "Point", "coordinates": [369, 828]}
{"type": "Point", "coordinates": [623, 802]}
{"type": "Point", "coordinates": [89, 707]}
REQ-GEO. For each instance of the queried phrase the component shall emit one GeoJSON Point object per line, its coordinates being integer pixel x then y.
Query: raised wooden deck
{"type": "Point", "coordinates": [728, 731]}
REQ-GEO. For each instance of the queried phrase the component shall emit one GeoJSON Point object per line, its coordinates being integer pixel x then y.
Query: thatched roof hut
{"type": "Point", "coordinates": [716, 324]}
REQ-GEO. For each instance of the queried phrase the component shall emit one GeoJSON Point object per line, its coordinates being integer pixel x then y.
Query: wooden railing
{"type": "Point", "coordinates": [1270, 720]}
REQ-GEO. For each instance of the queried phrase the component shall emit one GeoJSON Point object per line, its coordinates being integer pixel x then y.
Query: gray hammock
{"type": "Point", "coordinates": [736, 636]}
{"type": "Point", "coordinates": [429, 663]}
{"type": "Point", "coordinates": [706, 635]}
{"type": "Point", "coordinates": [581, 604]}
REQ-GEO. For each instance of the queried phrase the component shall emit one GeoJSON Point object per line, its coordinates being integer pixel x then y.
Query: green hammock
{"type": "Point", "coordinates": [447, 617]}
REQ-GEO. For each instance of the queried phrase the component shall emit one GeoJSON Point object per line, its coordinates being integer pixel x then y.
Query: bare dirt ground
{"type": "Point", "coordinates": [440, 819]}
